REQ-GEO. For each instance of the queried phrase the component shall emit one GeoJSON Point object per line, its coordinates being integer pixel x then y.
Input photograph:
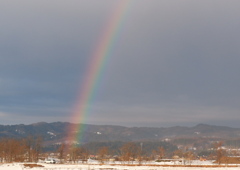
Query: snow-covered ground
{"type": "Point", "coordinates": [105, 167]}
{"type": "Point", "coordinates": [20, 166]}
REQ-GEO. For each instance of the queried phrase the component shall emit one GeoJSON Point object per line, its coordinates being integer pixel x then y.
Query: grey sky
{"type": "Point", "coordinates": [173, 62]}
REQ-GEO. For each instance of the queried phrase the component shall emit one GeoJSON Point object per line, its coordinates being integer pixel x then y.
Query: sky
{"type": "Point", "coordinates": [173, 63]}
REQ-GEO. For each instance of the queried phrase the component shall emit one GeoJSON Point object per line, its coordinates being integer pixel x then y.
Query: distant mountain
{"type": "Point", "coordinates": [56, 132]}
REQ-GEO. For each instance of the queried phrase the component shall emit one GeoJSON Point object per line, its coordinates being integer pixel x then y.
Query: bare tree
{"type": "Point", "coordinates": [129, 151]}
{"type": "Point", "coordinates": [102, 153]}
{"type": "Point", "coordinates": [20, 151]}
{"type": "Point", "coordinates": [37, 146]}
{"type": "Point", "coordinates": [178, 153]}
{"type": "Point", "coordinates": [1, 151]}
{"type": "Point", "coordinates": [73, 153]}
{"type": "Point", "coordinates": [153, 155]}
{"type": "Point", "coordinates": [11, 150]}
{"type": "Point", "coordinates": [33, 146]}
{"type": "Point", "coordinates": [83, 154]}
{"type": "Point", "coordinates": [220, 153]}
{"type": "Point", "coordinates": [189, 156]}
{"type": "Point", "coordinates": [28, 145]}
{"type": "Point", "coordinates": [61, 150]}
{"type": "Point", "coordinates": [161, 151]}
{"type": "Point", "coordinates": [139, 155]}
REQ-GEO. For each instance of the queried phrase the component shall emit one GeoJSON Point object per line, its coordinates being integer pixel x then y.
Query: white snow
{"type": "Point", "coordinates": [51, 133]}
{"type": "Point", "coordinates": [20, 166]}
{"type": "Point", "coordinates": [20, 131]}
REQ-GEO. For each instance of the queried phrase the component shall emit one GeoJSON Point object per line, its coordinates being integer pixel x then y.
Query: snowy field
{"type": "Point", "coordinates": [20, 166]}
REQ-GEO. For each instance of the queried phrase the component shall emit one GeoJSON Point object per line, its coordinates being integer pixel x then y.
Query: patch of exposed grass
{"type": "Point", "coordinates": [32, 165]}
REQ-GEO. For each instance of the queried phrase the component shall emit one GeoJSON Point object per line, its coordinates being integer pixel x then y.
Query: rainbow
{"type": "Point", "coordinates": [96, 68]}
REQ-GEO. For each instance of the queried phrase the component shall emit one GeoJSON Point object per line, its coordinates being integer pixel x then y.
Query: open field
{"type": "Point", "coordinates": [43, 166]}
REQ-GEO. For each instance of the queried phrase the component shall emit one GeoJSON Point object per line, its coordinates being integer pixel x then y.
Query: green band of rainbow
{"type": "Point", "coordinates": [96, 67]}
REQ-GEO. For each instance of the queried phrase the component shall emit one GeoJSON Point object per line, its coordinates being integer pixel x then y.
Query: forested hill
{"type": "Point", "coordinates": [56, 132]}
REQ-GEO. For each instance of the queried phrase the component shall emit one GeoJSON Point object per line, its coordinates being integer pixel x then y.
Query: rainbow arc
{"type": "Point", "coordinates": [96, 66]}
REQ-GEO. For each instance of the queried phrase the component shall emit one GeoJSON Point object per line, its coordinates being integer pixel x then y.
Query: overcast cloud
{"type": "Point", "coordinates": [173, 62]}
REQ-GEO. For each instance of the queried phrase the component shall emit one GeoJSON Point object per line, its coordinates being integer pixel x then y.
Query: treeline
{"type": "Point", "coordinates": [117, 151]}
{"type": "Point", "coordinates": [146, 147]}
{"type": "Point", "coordinates": [20, 150]}
{"type": "Point", "coordinates": [145, 151]}
{"type": "Point", "coordinates": [31, 149]}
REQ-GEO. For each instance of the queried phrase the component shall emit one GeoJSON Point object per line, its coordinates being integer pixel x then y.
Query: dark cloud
{"type": "Point", "coordinates": [172, 63]}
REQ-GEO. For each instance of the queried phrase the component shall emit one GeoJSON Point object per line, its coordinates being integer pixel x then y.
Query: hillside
{"type": "Point", "coordinates": [56, 132]}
